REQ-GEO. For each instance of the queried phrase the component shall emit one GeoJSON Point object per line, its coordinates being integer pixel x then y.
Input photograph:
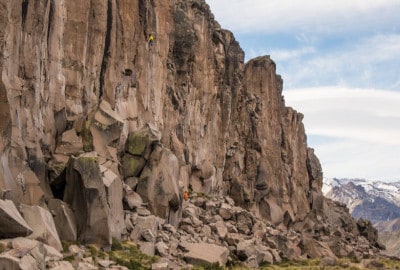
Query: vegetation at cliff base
{"type": "Point", "coordinates": [314, 264]}
{"type": "Point", "coordinates": [128, 254]}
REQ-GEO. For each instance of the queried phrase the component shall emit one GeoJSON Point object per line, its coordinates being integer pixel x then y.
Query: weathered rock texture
{"type": "Point", "coordinates": [94, 113]}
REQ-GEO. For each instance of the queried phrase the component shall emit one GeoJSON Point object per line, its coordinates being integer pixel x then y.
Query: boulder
{"type": "Point", "coordinates": [251, 262]}
{"type": "Point", "coordinates": [132, 166]}
{"type": "Point", "coordinates": [198, 201]}
{"type": "Point", "coordinates": [138, 141]}
{"type": "Point", "coordinates": [76, 250]}
{"type": "Point", "coordinates": [225, 211]}
{"type": "Point", "coordinates": [191, 211]}
{"type": "Point", "coordinates": [114, 190]}
{"type": "Point", "coordinates": [211, 206]}
{"type": "Point", "coordinates": [132, 182]}
{"type": "Point", "coordinates": [206, 231]}
{"type": "Point", "coordinates": [148, 248]}
{"type": "Point", "coordinates": [162, 249]}
{"type": "Point", "coordinates": [94, 194]}
{"type": "Point", "coordinates": [11, 222]}
{"type": "Point", "coordinates": [145, 225]}
{"type": "Point", "coordinates": [219, 228]}
{"type": "Point", "coordinates": [259, 230]}
{"type": "Point", "coordinates": [267, 257]}
{"type": "Point", "coordinates": [233, 239]}
{"type": "Point", "coordinates": [246, 249]}
{"type": "Point", "coordinates": [103, 130]}
{"type": "Point", "coordinates": [203, 177]}
{"type": "Point", "coordinates": [160, 266]}
{"type": "Point", "coordinates": [143, 212]}
{"type": "Point", "coordinates": [8, 262]}
{"type": "Point", "coordinates": [272, 211]}
{"type": "Point", "coordinates": [328, 262]}
{"type": "Point", "coordinates": [25, 245]}
{"type": "Point", "coordinates": [275, 254]}
{"type": "Point", "coordinates": [231, 227]}
{"type": "Point", "coordinates": [62, 265]}
{"type": "Point", "coordinates": [367, 230]}
{"type": "Point", "coordinates": [202, 253]}
{"type": "Point", "coordinates": [28, 263]}
{"type": "Point", "coordinates": [42, 223]}
{"type": "Point", "coordinates": [70, 143]}
{"type": "Point", "coordinates": [315, 249]}
{"type": "Point", "coordinates": [147, 235]}
{"type": "Point", "coordinates": [64, 219]}
{"type": "Point", "coordinates": [51, 253]}
{"type": "Point", "coordinates": [105, 263]}
{"type": "Point", "coordinates": [159, 187]}
{"type": "Point", "coordinates": [56, 167]}
{"type": "Point", "coordinates": [244, 222]}
{"type": "Point", "coordinates": [132, 199]}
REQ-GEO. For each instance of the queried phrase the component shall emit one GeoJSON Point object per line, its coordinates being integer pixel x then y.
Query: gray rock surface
{"type": "Point", "coordinates": [64, 219]}
{"type": "Point", "coordinates": [42, 223]}
{"type": "Point", "coordinates": [199, 253]}
{"type": "Point", "coordinates": [12, 223]}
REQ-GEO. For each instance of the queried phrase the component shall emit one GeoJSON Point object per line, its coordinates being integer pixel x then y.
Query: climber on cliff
{"type": "Point", "coordinates": [151, 40]}
{"type": "Point", "coordinates": [186, 195]}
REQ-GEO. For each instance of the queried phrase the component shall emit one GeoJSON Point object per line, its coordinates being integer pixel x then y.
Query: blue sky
{"type": "Point", "coordinates": [340, 62]}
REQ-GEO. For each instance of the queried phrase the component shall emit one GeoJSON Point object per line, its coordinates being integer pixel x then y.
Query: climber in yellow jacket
{"type": "Point", "coordinates": [151, 40]}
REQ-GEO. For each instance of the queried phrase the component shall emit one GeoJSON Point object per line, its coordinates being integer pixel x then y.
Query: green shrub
{"type": "Point", "coordinates": [128, 254]}
{"type": "Point", "coordinates": [116, 244]}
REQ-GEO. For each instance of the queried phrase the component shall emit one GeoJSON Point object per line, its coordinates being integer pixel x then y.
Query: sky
{"type": "Point", "coordinates": [340, 63]}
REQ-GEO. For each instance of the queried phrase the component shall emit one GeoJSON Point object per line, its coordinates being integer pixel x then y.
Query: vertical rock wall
{"type": "Point", "coordinates": [93, 108]}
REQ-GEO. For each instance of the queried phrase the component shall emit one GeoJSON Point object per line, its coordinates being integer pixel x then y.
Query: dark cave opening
{"type": "Point", "coordinates": [58, 186]}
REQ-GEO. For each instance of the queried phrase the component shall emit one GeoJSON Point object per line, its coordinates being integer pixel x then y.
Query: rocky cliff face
{"type": "Point", "coordinates": [103, 123]}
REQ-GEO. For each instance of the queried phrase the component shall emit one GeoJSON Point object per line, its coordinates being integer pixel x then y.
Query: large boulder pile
{"type": "Point", "coordinates": [211, 231]}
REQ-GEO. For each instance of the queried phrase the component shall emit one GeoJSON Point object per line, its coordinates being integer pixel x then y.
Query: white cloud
{"type": "Point", "coordinates": [284, 55]}
{"type": "Point", "coordinates": [371, 50]}
{"type": "Point", "coordinates": [358, 130]}
{"type": "Point", "coordinates": [362, 114]}
{"type": "Point", "coordinates": [355, 159]}
{"type": "Point", "coordinates": [369, 62]}
{"type": "Point", "coordinates": [308, 15]}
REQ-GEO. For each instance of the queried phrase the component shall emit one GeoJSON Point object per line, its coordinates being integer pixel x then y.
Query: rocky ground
{"type": "Point", "coordinates": [212, 231]}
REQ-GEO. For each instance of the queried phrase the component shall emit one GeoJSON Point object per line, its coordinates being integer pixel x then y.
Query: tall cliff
{"type": "Point", "coordinates": [91, 114]}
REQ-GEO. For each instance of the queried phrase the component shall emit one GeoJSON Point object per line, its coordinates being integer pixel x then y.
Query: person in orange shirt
{"type": "Point", "coordinates": [186, 195]}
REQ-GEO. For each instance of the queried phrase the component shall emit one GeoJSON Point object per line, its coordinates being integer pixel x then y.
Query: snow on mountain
{"type": "Point", "coordinates": [389, 191]}
{"type": "Point", "coordinates": [373, 200]}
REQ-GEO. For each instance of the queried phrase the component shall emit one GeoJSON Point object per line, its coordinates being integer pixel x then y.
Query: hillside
{"type": "Point", "coordinates": [105, 132]}
{"type": "Point", "coordinates": [392, 242]}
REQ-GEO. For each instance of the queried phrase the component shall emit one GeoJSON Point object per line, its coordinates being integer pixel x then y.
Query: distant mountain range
{"type": "Point", "coordinates": [374, 200]}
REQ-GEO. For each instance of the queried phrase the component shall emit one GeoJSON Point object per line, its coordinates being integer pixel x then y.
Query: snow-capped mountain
{"type": "Point", "coordinates": [373, 200]}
